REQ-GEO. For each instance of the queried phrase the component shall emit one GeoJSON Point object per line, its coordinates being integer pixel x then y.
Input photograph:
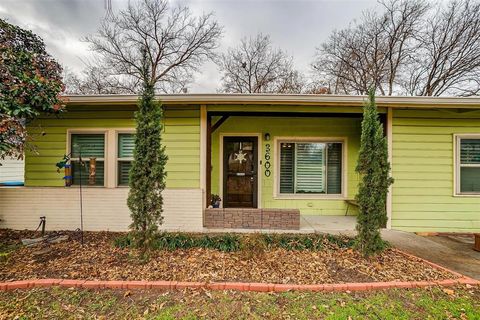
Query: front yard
{"type": "Point", "coordinates": [332, 261]}
{"type": "Point", "coordinates": [56, 303]}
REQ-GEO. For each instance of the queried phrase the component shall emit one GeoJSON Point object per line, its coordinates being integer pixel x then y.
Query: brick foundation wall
{"type": "Point", "coordinates": [247, 218]}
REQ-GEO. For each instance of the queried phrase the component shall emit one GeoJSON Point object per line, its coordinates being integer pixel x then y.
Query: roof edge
{"type": "Point", "coordinates": [282, 99]}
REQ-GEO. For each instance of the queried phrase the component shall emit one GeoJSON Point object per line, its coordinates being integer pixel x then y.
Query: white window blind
{"type": "Point", "coordinates": [126, 144]}
{"type": "Point", "coordinates": [87, 146]}
{"type": "Point", "coordinates": [469, 165]}
{"type": "Point", "coordinates": [310, 168]}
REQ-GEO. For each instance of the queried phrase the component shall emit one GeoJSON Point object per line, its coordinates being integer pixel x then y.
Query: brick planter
{"type": "Point", "coordinates": [248, 218]}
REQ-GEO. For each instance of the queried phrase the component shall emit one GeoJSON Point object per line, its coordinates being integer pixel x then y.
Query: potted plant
{"type": "Point", "coordinates": [216, 201]}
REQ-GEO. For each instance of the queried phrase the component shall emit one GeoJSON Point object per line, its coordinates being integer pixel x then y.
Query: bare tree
{"type": "Point", "coordinates": [411, 48]}
{"type": "Point", "coordinates": [176, 42]}
{"type": "Point", "coordinates": [371, 53]}
{"type": "Point", "coordinates": [447, 57]}
{"type": "Point", "coordinates": [96, 80]}
{"type": "Point", "coordinates": [256, 67]}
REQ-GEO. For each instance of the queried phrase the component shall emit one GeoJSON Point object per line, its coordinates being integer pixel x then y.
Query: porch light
{"type": "Point", "coordinates": [267, 136]}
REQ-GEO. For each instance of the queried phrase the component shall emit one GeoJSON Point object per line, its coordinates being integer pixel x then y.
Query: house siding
{"type": "Point", "coordinates": [349, 128]}
{"type": "Point", "coordinates": [103, 209]}
{"type": "Point", "coordinates": [11, 170]}
{"type": "Point", "coordinates": [181, 138]}
{"type": "Point", "coordinates": [423, 168]}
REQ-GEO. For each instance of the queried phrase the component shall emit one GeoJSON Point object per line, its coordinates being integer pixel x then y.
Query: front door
{"type": "Point", "coordinates": [240, 172]}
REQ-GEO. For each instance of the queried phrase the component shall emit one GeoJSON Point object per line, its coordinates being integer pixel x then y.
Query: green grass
{"type": "Point", "coordinates": [229, 242]}
{"type": "Point", "coordinates": [57, 303]}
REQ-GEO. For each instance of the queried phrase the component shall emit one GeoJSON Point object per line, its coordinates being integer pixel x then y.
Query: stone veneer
{"type": "Point", "coordinates": [249, 218]}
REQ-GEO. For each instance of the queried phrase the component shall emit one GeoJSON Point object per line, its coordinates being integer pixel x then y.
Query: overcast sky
{"type": "Point", "coordinates": [295, 26]}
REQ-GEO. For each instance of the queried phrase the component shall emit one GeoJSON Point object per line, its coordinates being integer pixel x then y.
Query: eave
{"type": "Point", "coordinates": [282, 99]}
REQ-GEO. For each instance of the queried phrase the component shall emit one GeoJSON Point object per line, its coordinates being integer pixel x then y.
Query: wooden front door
{"type": "Point", "coordinates": [240, 172]}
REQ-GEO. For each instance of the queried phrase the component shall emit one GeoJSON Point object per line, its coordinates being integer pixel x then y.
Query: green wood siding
{"type": "Point", "coordinates": [423, 168]}
{"type": "Point", "coordinates": [181, 138]}
{"type": "Point", "coordinates": [293, 127]}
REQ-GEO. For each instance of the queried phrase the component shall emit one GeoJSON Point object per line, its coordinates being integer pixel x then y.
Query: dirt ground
{"type": "Point", "coordinates": [99, 259]}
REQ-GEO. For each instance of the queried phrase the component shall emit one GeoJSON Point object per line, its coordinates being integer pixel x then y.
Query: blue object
{"type": "Point", "coordinates": [12, 183]}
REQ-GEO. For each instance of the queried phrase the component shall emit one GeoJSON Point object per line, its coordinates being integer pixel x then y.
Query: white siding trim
{"type": "Point", "coordinates": [12, 170]}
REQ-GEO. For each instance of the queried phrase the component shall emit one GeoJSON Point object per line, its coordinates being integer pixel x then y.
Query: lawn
{"type": "Point", "coordinates": [57, 303]}
{"type": "Point", "coordinates": [328, 260]}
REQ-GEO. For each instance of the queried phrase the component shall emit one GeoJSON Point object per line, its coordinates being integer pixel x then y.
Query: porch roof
{"type": "Point", "coordinates": [282, 99]}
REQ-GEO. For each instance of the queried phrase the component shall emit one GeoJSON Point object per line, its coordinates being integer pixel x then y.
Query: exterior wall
{"type": "Point", "coordinates": [181, 138]}
{"type": "Point", "coordinates": [11, 170]}
{"type": "Point", "coordinates": [103, 208]}
{"type": "Point", "coordinates": [423, 168]}
{"type": "Point", "coordinates": [349, 128]}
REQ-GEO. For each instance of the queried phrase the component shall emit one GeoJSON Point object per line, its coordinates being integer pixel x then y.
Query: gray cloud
{"type": "Point", "coordinates": [295, 26]}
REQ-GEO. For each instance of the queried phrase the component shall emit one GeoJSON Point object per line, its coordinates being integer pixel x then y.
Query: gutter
{"type": "Point", "coordinates": [282, 99]}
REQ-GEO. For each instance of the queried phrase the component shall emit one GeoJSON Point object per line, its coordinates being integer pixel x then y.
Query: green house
{"type": "Point", "coordinates": [271, 159]}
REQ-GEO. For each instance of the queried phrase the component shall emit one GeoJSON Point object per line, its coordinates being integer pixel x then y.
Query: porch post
{"type": "Point", "coordinates": [208, 166]}
{"type": "Point", "coordinates": [203, 153]}
{"type": "Point", "coordinates": [390, 159]}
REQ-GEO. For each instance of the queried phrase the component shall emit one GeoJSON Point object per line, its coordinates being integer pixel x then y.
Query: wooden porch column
{"type": "Point", "coordinates": [208, 167]}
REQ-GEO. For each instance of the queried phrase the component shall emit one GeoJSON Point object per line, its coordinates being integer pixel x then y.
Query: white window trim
{"type": "Point", "coordinates": [276, 190]}
{"type": "Point", "coordinates": [457, 165]}
{"type": "Point", "coordinates": [110, 158]}
{"type": "Point", "coordinates": [70, 132]}
{"type": "Point", "coordinates": [117, 159]}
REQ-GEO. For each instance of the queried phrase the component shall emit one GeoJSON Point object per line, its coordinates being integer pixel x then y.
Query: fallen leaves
{"type": "Point", "coordinates": [99, 259]}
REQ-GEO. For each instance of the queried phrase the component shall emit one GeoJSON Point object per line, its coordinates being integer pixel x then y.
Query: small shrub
{"type": "Point", "coordinates": [124, 241]}
{"type": "Point", "coordinates": [253, 245]}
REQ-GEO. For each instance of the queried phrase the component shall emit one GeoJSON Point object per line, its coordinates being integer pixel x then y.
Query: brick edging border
{"type": "Point", "coordinates": [245, 286]}
{"type": "Point", "coordinates": [238, 286]}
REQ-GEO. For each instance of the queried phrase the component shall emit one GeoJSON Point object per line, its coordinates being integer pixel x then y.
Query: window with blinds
{"type": "Point", "coordinates": [87, 146]}
{"type": "Point", "coordinates": [469, 165]}
{"type": "Point", "coordinates": [126, 144]}
{"type": "Point", "coordinates": [310, 168]}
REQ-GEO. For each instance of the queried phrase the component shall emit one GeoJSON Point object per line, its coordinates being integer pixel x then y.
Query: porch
{"type": "Point", "coordinates": [283, 170]}
{"type": "Point", "coordinates": [308, 224]}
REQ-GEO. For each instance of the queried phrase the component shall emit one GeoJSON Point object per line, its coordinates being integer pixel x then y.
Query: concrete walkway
{"type": "Point", "coordinates": [452, 252]}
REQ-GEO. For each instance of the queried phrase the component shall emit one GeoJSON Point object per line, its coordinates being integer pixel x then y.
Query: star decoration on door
{"type": "Point", "coordinates": [240, 156]}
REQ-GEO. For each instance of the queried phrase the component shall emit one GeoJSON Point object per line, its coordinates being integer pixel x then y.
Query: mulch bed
{"type": "Point", "coordinates": [98, 259]}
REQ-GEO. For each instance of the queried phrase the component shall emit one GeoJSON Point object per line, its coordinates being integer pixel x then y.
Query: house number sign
{"type": "Point", "coordinates": [267, 160]}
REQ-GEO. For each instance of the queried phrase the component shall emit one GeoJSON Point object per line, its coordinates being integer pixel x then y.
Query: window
{"type": "Point", "coordinates": [311, 167]}
{"type": "Point", "coordinates": [126, 144]}
{"type": "Point", "coordinates": [90, 147]}
{"type": "Point", "coordinates": [468, 159]}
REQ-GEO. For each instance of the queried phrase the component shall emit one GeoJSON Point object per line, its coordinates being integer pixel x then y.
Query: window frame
{"type": "Point", "coordinates": [118, 159]}
{"type": "Point", "coordinates": [71, 132]}
{"type": "Point", "coordinates": [276, 190]}
{"type": "Point", "coordinates": [457, 165]}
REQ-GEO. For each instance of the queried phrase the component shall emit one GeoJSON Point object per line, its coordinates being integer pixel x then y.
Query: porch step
{"type": "Point", "coordinates": [249, 218]}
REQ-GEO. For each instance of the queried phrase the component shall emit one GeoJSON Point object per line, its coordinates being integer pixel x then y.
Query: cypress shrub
{"type": "Point", "coordinates": [374, 169]}
{"type": "Point", "coordinates": [147, 175]}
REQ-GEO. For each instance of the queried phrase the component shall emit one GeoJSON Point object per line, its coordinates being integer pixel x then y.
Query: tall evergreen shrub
{"type": "Point", "coordinates": [374, 169]}
{"type": "Point", "coordinates": [147, 175]}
